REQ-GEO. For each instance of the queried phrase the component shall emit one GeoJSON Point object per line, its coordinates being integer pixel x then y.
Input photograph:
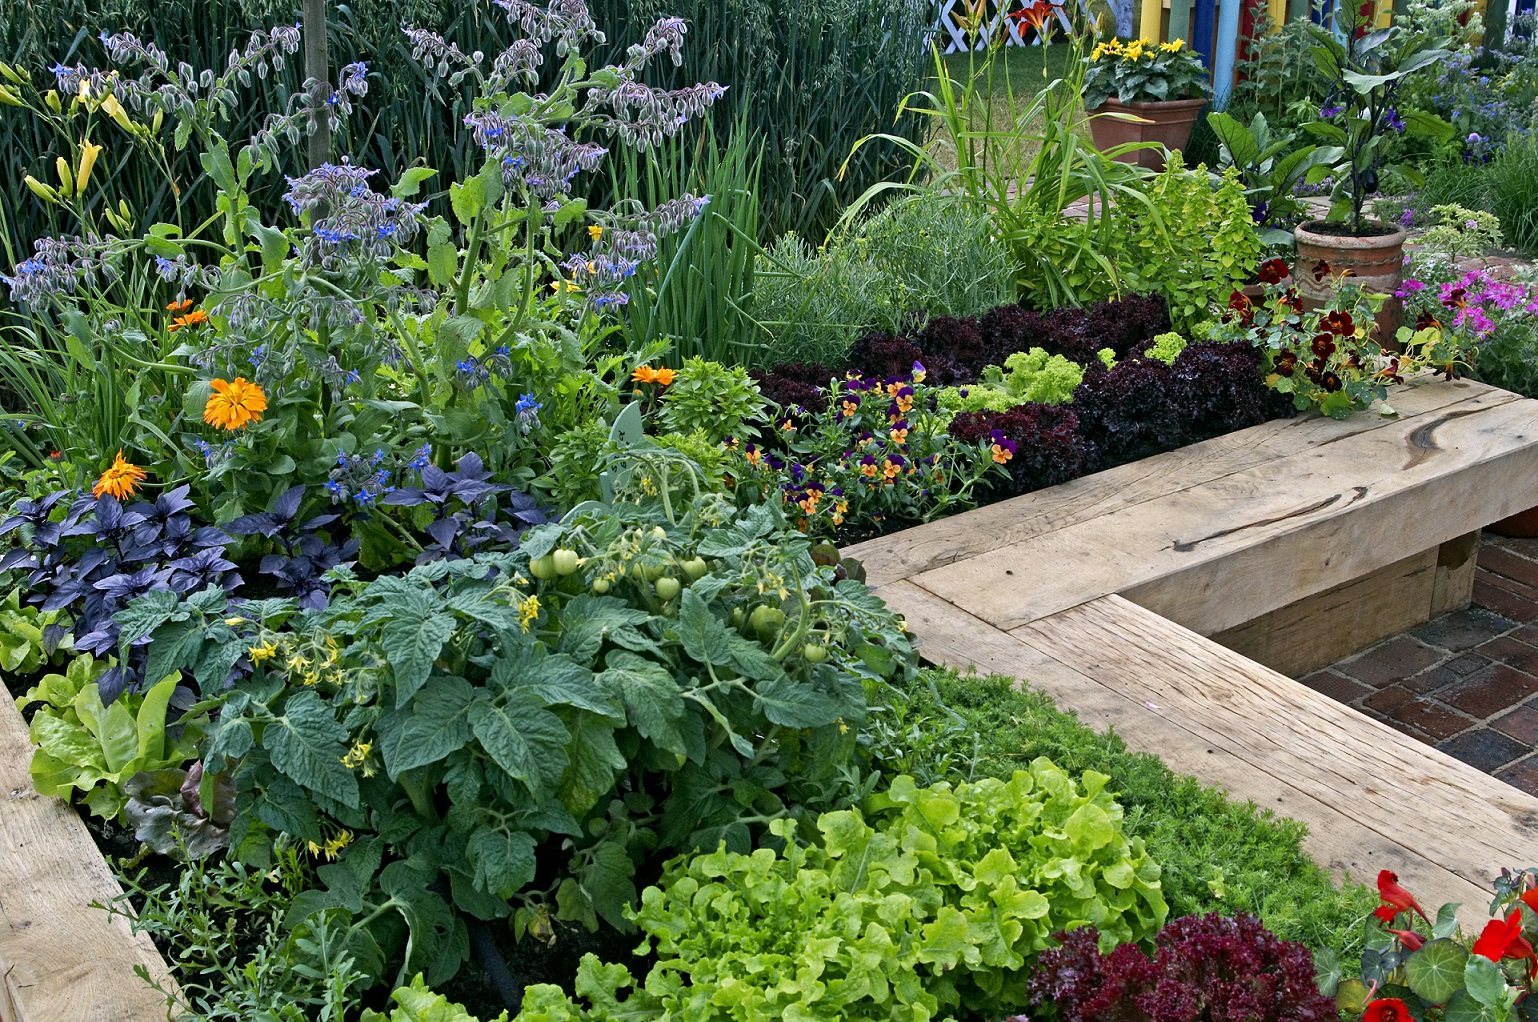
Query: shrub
{"type": "Point", "coordinates": [937, 898]}
{"type": "Point", "coordinates": [711, 398]}
{"type": "Point", "coordinates": [1205, 969]}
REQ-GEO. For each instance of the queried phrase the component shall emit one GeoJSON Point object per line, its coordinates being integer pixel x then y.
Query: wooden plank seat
{"type": "Point", "coordinates": [1306, 534]}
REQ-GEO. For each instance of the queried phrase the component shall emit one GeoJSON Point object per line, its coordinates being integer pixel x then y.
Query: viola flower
{"type": "Point", "coordinates": [1001, 447]}
{"type": "Point", "coordinates": [1272, 271]}
{"type": "Point", "coordinates": [1504, 940]}
{"type": "Point", "coordinates": [919, 372]}
{"type": "Point", "coordinates": [1396, 897]}
{"type": "Point", "coordinates": [1387, 1009]}
{"type": "Point", "coordinates": [120, 479]}
{"type": "Point", "coordinates": [234, 403]}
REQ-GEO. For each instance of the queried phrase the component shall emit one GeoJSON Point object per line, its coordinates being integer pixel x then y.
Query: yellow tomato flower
{"type": "Point", "coordinates": [259, 654]}
{"type": "Point", "coordinates": [234, 403]}
{"type": "Point", "coordinates": [528, 612]}
{"type": "Point", "coordinates": [120, 479]}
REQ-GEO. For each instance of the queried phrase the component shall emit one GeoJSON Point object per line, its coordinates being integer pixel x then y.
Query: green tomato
{"type": "Point", "coordinates": [659, 534]}
{"type": "Point", "coordinates": [766, 620]}
{"type": "Point", "coordinates": [542, 567]}
{"type": "Point", "coordinates": [737, 617]}
{"type": "Point", "coordinates": [654, 571]}
{"type": "Point", "coordinates": [695, 568]}
{"type": "Point", "coordinates": [814, 652]}
{"type": "Point", "coordinates": [600, 586]}
{"type": "Point", "coordinates": [565, 561]}
{"type": "Point", "coordinates": [668, 587]}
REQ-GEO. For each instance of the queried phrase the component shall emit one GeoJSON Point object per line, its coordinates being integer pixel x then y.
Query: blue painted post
{"type": "Point", "coordinates": [1225, 51]}
{"type": "Point", "coordinates": [1201, 29]}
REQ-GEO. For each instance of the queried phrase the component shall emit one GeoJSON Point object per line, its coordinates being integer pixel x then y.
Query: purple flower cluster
{"type": "Point", "coordinates": [351, 219]}
{"type": "Point", "coordinates": [58, 266]}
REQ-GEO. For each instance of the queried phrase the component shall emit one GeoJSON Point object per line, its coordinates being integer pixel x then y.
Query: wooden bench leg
{"type": "Point", "coordinates": [1319, 630]}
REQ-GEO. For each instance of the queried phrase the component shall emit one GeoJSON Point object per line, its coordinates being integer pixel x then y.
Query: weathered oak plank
{"type": "Point", "coordinates": [1220, 554]}
{"type": "Point", "coordinates": [1149, 721]}
{"type": "Point", "coordinates": [60, 959]}
{"type": "Point", "coordinates": [1452, 815]}
{"type": "Point", "coordinates": [936, 544]}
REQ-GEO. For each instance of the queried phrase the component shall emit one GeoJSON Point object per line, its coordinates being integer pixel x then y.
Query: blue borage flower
{"type": "Point", "coordinates": [213, 455]}
{"type": "Point", "coordinates": [526, 411]}
{"type": "Point", "coordinates": [356, 220]}
{"type": "Point", "coordinates": [359, 478]}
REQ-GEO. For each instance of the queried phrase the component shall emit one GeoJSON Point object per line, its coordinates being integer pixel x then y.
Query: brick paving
{"type": "Point", "coordinates": [1466, 682]}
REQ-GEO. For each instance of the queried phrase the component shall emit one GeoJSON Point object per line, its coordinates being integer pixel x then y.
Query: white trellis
{"type": "Point", "coordinates": [955, 13]}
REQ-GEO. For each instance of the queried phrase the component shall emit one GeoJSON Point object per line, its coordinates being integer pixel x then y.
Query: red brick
{"type": "Point", "coordinates": [1522, 774]}
{"type": "Point", "coordinates": [1336, 686]}
{"type": "Point", "coordinates": [1512, 652]}
{"type": "Point", "coordinates": [1504, 562]}
{"type": "Point", "coordinates": [1432, 718]}
{"type": "Point", "coordinates": [1397, 658]}
{"type": "Point", "coordinates": [1521, 723]}
{"type": "Point", "coordinates": [1484, 749]}
{"type": "Point", "coordinates": [1436, 679]}
{"type": "Point", "coordinates": [1387, 700]}
{"type": "Point", "coordinates": [1521, 547]}
{"type": "Point", "coordinates": [1504, 602]}
{"type": "Point", "coordinates": [1463, 629]}
{"type": "Point", "coordinates": [1485, 693]}
{"type": "Point", "coordinates": [1513, 586]}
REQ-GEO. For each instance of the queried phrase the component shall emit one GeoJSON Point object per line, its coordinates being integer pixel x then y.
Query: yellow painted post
{"type": "Point", "coordinates": [1152, 21]}
{"type": "Point", "coordinates": [1385, 13]}
{"type": "Point", "coordinates": [1277, 11]}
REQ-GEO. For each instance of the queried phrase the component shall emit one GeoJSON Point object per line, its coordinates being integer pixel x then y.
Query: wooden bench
{"type": "Point", "coordinates": [1296, 542]}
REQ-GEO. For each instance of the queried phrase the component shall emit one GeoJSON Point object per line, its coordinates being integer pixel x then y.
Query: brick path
{"type": "Point", "coordinates": [1466, 682]}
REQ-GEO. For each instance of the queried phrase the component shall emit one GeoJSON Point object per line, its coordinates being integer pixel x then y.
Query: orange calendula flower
{"type": "Point", "coordinates": [120, 479]}
{"type": "Point", "coordinates": [192, 318]}
{"type": "Point", "coordinates": [234, 403]}
{"type": "Point", "coordinates": [646, 374]}
{"type": "Point", "coordinates": [179, 306]}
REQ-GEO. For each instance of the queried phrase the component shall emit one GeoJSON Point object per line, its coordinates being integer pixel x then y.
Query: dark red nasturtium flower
{"type": "Point", "coordinates": [1425, 321]}
{"type": "Point", "coordinates": [1387, 1009]}
{"type": "Point", "coordinates": [1339, 323]}
{"type": "Point", "coordinates": [1456, 299]}
{"type": "Point", "coordinates": [1330, 382]}
{"type": "Point", "coordinates": [1272, 271]}
{"type": "Point", "coordinates": [1286, 362]}
{"type": "Point", "coordinates": [1323, 345]}
{"type": "Point", "coordinates": [1321, 271]}
{"type": "Point", "coordinates": [1238, 301]}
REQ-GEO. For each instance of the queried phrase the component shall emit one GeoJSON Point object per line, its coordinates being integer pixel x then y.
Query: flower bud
{"type": "Point", "coordinates": [51, 98]}
{"type": "Point", "coordinates": [8, 97]}
{"type": "Point", "coordinates": [45, 192]}
{"type": "Point", "coordinates": [12, 74]}
{"type": "Point", "coordinates": [66, 178]}
{"type": "Point", "coordinates": [113, 109]}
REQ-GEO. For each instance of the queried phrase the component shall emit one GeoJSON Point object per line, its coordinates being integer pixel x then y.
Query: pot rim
{"type": "Point", "coordinates": [1153, 104]}
{"type": "Point", "coordinates": [1348, 242]}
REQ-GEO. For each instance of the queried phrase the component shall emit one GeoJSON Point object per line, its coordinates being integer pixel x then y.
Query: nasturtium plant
{"type": "Point", "coordinates": [934, 900]}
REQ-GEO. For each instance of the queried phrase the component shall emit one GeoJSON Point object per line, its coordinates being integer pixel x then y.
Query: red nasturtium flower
{"type": "Point", "coordinates": [1387, 1009]}
{"type": "Point", "coordinates": [1395, 899]}
{"type": "Point", "coordinates": [1410, 939]}
{"type": "Point", "coordinates": [1321, 271]}
{"type": "Point", "coordinates": [1504, 940]}
{"type": "Point", "coordinates": [1530, 899]}
{"type": "Point", "coordinates": [1272, 271]}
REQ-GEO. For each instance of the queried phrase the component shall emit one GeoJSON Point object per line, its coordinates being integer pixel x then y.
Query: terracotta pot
{"type": "Point", "coordinates": [1375, 262]}
{"type": "Point", "coordinates": [1169, 122]}
{"type": "Point", "coordinates": [1522, 525]}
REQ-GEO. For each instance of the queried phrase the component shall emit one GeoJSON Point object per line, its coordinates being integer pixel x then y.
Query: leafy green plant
{"type": "Point", "coordinates": [1026, 376]}
{"type": "Point", "coordinates": [1270, 167]}
{"type": "Point", "coordinates": [239, 959]}
{"type": "Point", "coordinates": [1512, 203]}
{"type": "Point", "coordinates": [710, 398]}
{"type": "Point", "coordinates": [24, 636]}
{"type": "Point", "coordinates": [1459, 231]}
{"type": "Point", "coordinates": [418, 1003]}
{"type": "Point", "coordinates": [1142, 71]}
{"type": "Point", "coordinates": [85, 748]}
{"type": "Point", "coordinates": [936, 898]}
{"type": "Point", "coordinates": [651, 673]}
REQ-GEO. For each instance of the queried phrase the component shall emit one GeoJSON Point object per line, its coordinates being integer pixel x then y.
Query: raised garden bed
{"type": "Point", "coordinates": [1101, 591]}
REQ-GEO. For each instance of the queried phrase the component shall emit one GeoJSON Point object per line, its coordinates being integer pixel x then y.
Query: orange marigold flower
{"type": "Point", "coordinates": [646, 374]}
{"type": "Point", "coordinates": [120, 479]}
{"type": "Point", "coordinates": [234, 403]}
{"type": "Point", "coordinates": [179, 306]}
{"type": "Point", "coordinates": [192, 318]}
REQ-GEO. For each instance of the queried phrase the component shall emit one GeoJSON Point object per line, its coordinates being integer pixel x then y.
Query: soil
{"type": "Point", "coordinates": [1330, 230]}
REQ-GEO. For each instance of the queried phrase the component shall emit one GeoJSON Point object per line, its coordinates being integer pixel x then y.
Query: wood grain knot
{"type": "Point", "coordinates": [1423, 444]}
{"type": "Point", "coordinates": [1357, 493]}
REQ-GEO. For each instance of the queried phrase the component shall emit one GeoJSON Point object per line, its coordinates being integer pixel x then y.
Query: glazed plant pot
{"type": "Point", "coordinates": [1375, 261]}
{"type": "Point", "coordinates": [1168, 122]}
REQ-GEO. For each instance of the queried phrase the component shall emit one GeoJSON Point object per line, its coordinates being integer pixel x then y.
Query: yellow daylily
{"type": "Point", "coordinates": [89, 151]}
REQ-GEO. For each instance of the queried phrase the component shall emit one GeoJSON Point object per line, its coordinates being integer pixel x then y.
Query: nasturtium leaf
{"type": "Point", "coordinates": [436, 724]}
{"type": "Point", "coordinates": [1464, 1008]}
{"type": "Point", "coordinates": [1447, 920]}
{"type": "Point", "coordinates": [650, 696]}
{"type": "Point", "coordinates": [306, 743]}
{"type": "Point", "coordinates": [503, 859]}
{"type": "Point", "coordinates": [1435, 972]}
{"type": "Point", "coordinates": [522, 737]}
{"type": "Point", "coordinates": [1483, 980]}
{"type": "Point", "coordinates": [1327, 971]}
